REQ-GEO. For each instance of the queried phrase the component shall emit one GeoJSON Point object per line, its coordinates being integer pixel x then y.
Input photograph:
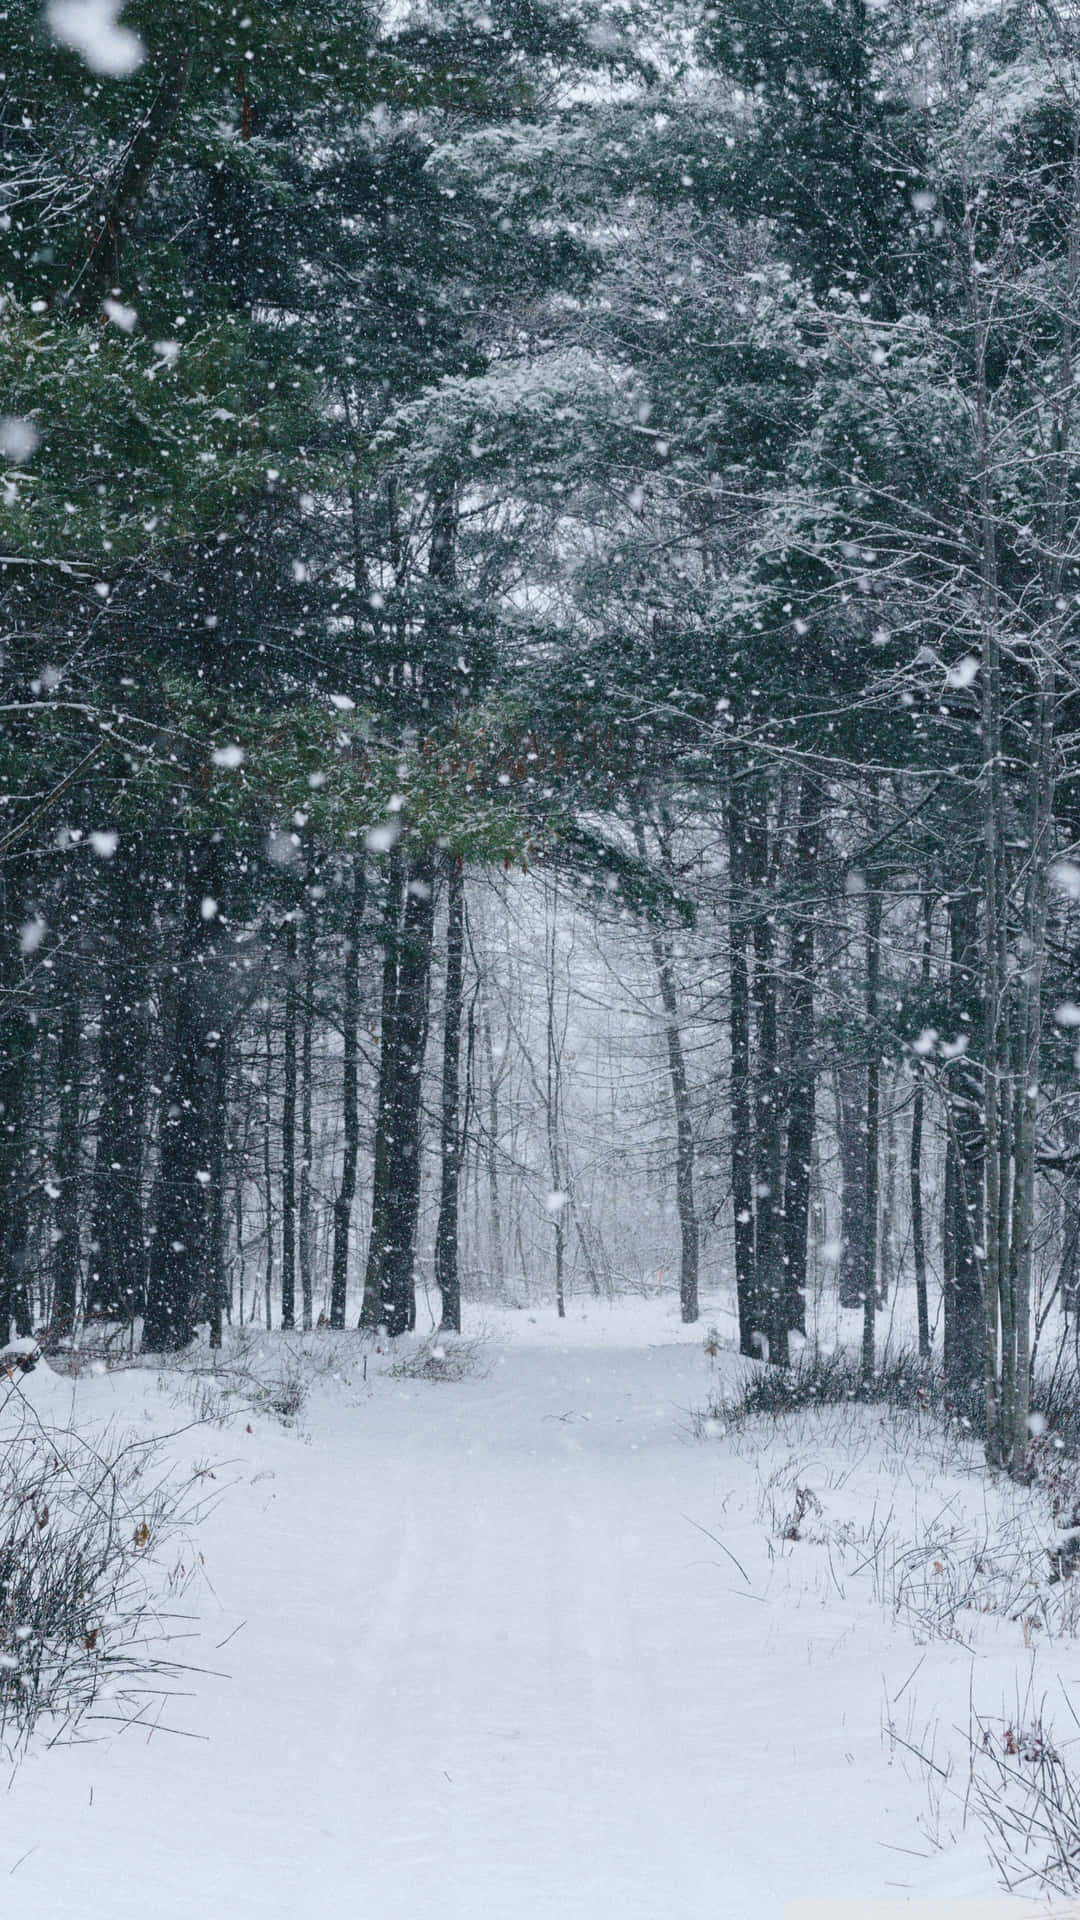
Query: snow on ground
{"type": "Point", "coordinates": [473, 1653]}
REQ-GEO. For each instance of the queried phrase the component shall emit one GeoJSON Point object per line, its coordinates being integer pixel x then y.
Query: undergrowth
{"type": "Point", "coordinates": [253, 1374]}
{"type": "Point", "coordinates": [947, 1565]}
{"type": "Point", "coordinates": [820, 1379]}
{"type": "Point", "coordinates": [908, 1384]}
{"type": "Point", "coordinates": [84, 1630]}
{"type": "Point", "coordinates": [445, 1357]}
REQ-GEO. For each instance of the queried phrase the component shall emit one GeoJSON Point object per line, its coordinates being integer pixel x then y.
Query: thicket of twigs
{"type": "Point", "coordinates": [89, 1577]}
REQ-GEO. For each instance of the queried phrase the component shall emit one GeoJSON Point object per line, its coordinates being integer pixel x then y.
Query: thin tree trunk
{"type": "Point", "coordinates": [851, 1137]}
{"type": "Point", "coordinates": [447, 1275]}
{"type": "Point", "coordinates": [343, 1201]}
{"type": "Point", "coordinates": [267, 1177]}
{"type": "Point", "coordinates": [306, 1144]}
{"type": "Point", "coordinates": [288, 1136]}
{"type": "Point", "coordinates": [770, 1282]}
{"type": "Point", "coordinates": [238, 1228]}
{"type": "Point", "coordinates": [918, 1230]}
{"type": "Point", "coordinates": [689, 1232]}
{"type": "Point", "coordinates": [371, 1312]}
{"type": "Point", "coordinates": [873, 1123]}
{"type": "Point", "coordinates": [65, 1298]}
{"type": "Point", "coordinates": [491, 1155]}
{"type": "Point", "coordinates": [742, 1136]}
{"type": "Point", "coordinates": [996, 1100]}
{"type": "Point", "coordinates": [967, 1166]}
{"type": "Point", "coordinates": [177, 1283]}
{"type": "Point", "coordinates": [801, 1087]}
{"type": "Point", "coordinates": [889, 1251]}
{"type": "Point", "coordinates": [402, 1209]}
{"type": "Point", "coordinates": [116, 1270]}
{"type": "Point", "coordinates": [217, 1288]}
{"type": "Point", "coordinates": [553, 1115]}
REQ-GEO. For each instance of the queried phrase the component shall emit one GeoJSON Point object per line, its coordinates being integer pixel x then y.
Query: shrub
{"type": "Point", "coordinates": [252, 1373]}
{"type": "Point", "coordinates": [444, 1357]}
{"type": "Point", "coordinates": [81, 1631]}
{"type": "Point", "coordinates": [828, 1379]}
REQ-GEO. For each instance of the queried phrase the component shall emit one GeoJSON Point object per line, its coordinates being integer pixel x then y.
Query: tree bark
{"type": "Point", "coordinates": [851, 1136]}
{"type": "Point", "coordinates": [402, 1210]}
{"type": "Point", "coordinates": [742, 1136]}
{"type": "Point", "coordinates": [491, 1144]}
{"type": "Point", "coordinates": [371, 1312]}
{"type": "Point", "coordinates": [770, 1280]}
{"type": "Point", "coordinates": [447, 1275]}
{"type": "Point", "coordinates": [288, 1136]}
{"type": "Point", "coordinates": [268, 1183]}
{"type": "Point", "coordinates": [801, 1087]}
{"type": "Point", "coordinates": [966, 1169]}
{"type": "Point", "coordinates": [918, 1228]}
{"type": "Point", "coordinates": [343, 1201]}
{"type": "Point", "coordinates": [553, 1120]}
{"type": "Point", "coordinates": [17, 1041]}
{"type": "Point", "coordinates": [306, 1092]}
{"type": "Point", "coordinates": [689, 1231]}
{"type": "Point", "coordinates": [66, 1270]}
{"type": "Point", "coordinates": [216, 1233]}
{"type": "Point", "coordinates": [190, 1117]}
{"type": "Point", "coordinates": [873, 1124]}
{"type": "Point", "coordinates": [116, 1270]}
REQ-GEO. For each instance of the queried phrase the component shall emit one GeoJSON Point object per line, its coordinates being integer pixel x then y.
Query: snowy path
{"type": "Point", "coordinates": [489, 1670]}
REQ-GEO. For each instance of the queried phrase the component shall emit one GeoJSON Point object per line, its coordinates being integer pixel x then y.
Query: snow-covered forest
{"type": "Point", "coordinates": [539, 828]}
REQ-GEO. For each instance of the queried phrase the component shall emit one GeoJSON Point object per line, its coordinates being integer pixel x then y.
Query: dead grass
{"type": "Point", "coordinates": [87, 1604]}
{"type": "Point", "coordinates": [445, 1356]}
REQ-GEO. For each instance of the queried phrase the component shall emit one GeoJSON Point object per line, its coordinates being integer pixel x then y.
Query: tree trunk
{"type": "Point", "coordinates": [447, 1276]}
{"type": "Point", "coordinates": [288, 1136]}
{"type": "Point", "coordinates": [689, 1235]}
{"type": "Point", "coordinates": [65, 1298]}
{"type": "Point", "coordinates": [689, 1232]}
{"type": "Point", "coordinates": [371, 1312]}
{"type": "Point", "coordinates": [116, 1271]}
{"type": "Point", "coordinates": [190, 1120]}
{"type": "Point", "coordinates": [343, 1202]}
{"type": "Point", "coordinates": [402, 1209]}
{"type": "Point", "coordinates": [491, 1155]}
{"type": "Point", "coordinates": [268, 1183]}
{"type": "Point", "coordinates": [889, 1247]}
{"type": "Point", "coordinates": [918, 1229]}
{"type": "Point", "coordinates": [116, 1279]}
{"type": "Point", "coordinates": [742, 1136]}
{"type": "Point", "coordinates": [306, 1144]}
{"type": "Point", "coordinates": [801, 1087]}
{"type": "Point", "coordinates": [217, 1281]}
{"type": "Point", "coordinates": [966, 1169]}
{"type": "Point", "coordinates": [851, 1136]}
{"type": "Point", "coordinates": [770, 1280]}
{"type": "Point", "coordinates": [553, 1114]}
{"type": "Point", "coordinates": [873, 1124]}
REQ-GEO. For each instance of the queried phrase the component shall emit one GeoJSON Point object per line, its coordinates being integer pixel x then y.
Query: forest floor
{"type": "Point", "coordinates": [533, 1645]}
